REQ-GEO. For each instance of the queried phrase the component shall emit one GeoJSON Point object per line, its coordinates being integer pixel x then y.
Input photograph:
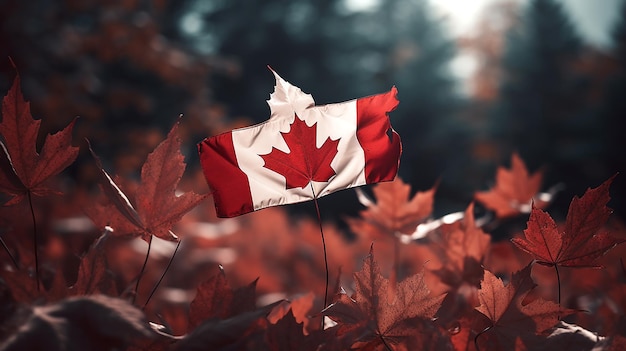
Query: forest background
{"type": "Point", "coordinates": [129, 68]}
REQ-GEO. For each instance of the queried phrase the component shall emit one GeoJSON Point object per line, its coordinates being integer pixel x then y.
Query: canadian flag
{"type": "Point", "coordinates": [302, 152]}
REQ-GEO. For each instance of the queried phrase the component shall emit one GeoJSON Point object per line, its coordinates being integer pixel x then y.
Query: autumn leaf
{"type": "Point", "coordinates": [23, 288]}
{"type": "Point", "coordinates": [299, 307]}
{"type": "Point", "coordinates": [581, 242]}
{"type": "Point", "coordinates": [10, 183]}
{"type": "Point", "coordinates": [393, 212]}
{"type": "Point", "coordinates": [93, 274]}
{"type": "Point", "coordinates": [509, 317]}
{"type": "Point", "coordinates": [514, 190]}
{"type": "Point", "coordinates": [216, 299]}
{"type": "Point", "coordinates": [461, 248]}
{"type": "Point", "coordinates": [287, 334]}
{"type": "Point", "coordinates": [81, 323]}
{"type": "Point", "coordinates": [93, 278]}
{"type": "Point", "coordinates": [156, 206]}
{"type": "Point", "coordinates": [304, 162]}
{"type": "Point", "coordinates": [23, 169]}
{"type": "Point", "coordinates": [380, 315]}
{"type": "Point", "coordinates": [566, 336]}
{"type": "Point", "coordinates": [233, 333]}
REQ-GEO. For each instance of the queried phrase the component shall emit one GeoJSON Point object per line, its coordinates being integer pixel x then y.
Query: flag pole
{"type": "Point", "coordinates": [319, 221]}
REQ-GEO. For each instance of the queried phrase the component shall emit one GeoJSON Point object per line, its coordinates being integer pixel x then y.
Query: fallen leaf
{"type": "Point", "coordinates": [509, 318]}
{"type": "Point", "coordinates": [233, 333]}
{"type": "Point", "coordinates": [380, 315]}
{"type": "Point", "coordinates": [80, 323]}
{"type": "Point", "coordinates": [571, 337]}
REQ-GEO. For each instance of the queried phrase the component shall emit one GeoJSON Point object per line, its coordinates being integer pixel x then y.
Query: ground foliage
{"type": "Point", "coordinates": [76, 272]}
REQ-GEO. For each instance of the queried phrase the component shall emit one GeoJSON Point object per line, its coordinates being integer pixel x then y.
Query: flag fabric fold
{"type": "Point", "coordinates": [303, 151]}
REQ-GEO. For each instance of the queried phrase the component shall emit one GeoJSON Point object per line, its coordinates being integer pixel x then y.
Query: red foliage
{"type": "Point", "coordinates": [514, 189]}
{"type": "Point", "coordinates": [394, 213]}
{"type": "Point", "coordinates": [215, 299]}
{"type": "Point", "coordinates": [448, 296]}
{"type": "Point", "coordinates": [381, 314]}
{"type": "Point", "coordinates": [582, 241]}
{"type": "Point", "coordinates": [511, 319]}
{"type": "Point", "coordinates": [461, 249]}
{"type": "Point", "coordinates": [24, 170]}
{"type": "Point", "coordinates": [157, 207]}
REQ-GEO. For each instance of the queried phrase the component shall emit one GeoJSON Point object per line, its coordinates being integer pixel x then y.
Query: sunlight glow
{"type": "Point", "coordinates": [460, 15]}
{"type": "Point", "coordinates": [361, 5]}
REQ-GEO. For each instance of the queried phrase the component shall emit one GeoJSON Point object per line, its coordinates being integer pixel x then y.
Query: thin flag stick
{"type": "Point", "coordinates": [319, 220]}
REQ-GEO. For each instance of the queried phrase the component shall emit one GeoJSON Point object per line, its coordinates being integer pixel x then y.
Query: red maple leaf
{"type": "Point", "coordinates": [304, 162]}
{"type": "Point", "coordinates": [461, 248]}
{"type": "Point", "coordinates": [287, 334]}
{"type": "Point", "coordinates": [215, 299]}
{"type": "Point", "coordinates": [24, 289]}
{"type": "Point", "coordinates": [581, 242]}
{"type": "Point", "coordinates": [156, 207]}
{"type": "Point", "coordinates": [513, 191]}
{"type": "Point", "coordinates": [510, 317]}
{"type": "Point", "coordinates": [22, 169]}
{"type": "Point", "coordinates": [299, 307]}
{"type": "Point", "coordinates": [393, 212]}
{"type": "Point", "coordinates": [94, 276]}
{"type": "Point", "coordinates": [380, 314]}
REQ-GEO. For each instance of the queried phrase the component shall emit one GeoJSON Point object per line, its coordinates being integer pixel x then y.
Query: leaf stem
{"type": "Point", "coordinates": [143, 268]}
{"type": "Point", "coordinates": [479, 334]}
{"type": "Point", "coordinates": [6, 248]}
{"type": "Point", "coordinates": [558, 283]}
{"type": "Point", "coordinates": [156, 286]}
{"type": "Point", "coordinates": [385, 343]}
{"type": "Point", "coordinates": [319, 221]}
{"type": "Point", "coordinates": [35, 240]}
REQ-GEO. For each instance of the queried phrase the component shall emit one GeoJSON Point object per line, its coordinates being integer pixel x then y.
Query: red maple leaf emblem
{"type": "Point", "coordinates": [304, 162]}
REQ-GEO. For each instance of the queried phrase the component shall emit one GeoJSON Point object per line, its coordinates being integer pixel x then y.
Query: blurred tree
{"type": "Point", "coordinates": [543, 110]}
{"type": "Point", "coordinates": [117, 65]}
{"type": "Point", "coordinates": [614, 110]}
{"type": "Point", "coordinates": [487, 42]}
{"type": "Point", "coordinates": [539, 92]}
